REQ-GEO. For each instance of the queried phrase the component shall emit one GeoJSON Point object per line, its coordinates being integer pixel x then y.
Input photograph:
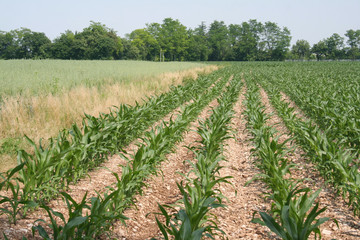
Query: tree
{"type": "Point", "coordinates": [130, 51]}
{"type": "Point", "coordinates": [301, 49]}
{"type": "Point", "coordinates": [68, 47]}
{"type": "Point", "coordinates": [8, 45]}
{"type": "Point", "coordinates": [248, 41]}
{"type": "Point", "coordinates": [234, 41]}
{"type": "Point", "coordinates": [246, 46]}
{"type": "Point", "coordinates": [335, 45]}
{"type": "Point", "coordinates": [26, 44]}
{"type": "Point", "coordinates": [198, 49]}
{"type": "Point", "coordinates": [275, 42]}
{"type": "Point", "coordinates": [146, 44]}
{"type": "Point", "coordinates": [320, 49]}
{"type": "Point", "coordinates": [99, 42]}
{"type": "Point", "coordinates": [354, 43]}
{"type": "Point", "coordinates": [173, 39]}
{"type": "Point", "coordinates": [218, 37]}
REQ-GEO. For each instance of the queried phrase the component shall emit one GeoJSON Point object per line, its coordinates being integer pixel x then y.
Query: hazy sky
{"type": "Point", "coordinates": [312, 20]}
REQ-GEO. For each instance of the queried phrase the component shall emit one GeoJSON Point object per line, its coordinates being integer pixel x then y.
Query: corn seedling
{"type": "Point", "coordinates": [289, 206]}
{"type": "Point", "coordinates": [200, 196]}
{"type": "Point", "coordinates": [334, 163]}
{"type": "Point", "coordinates": [95, 222]}
{"type": "Point", "coordinates": [297, 218]}
{"type": "Point", "coordinates": [14, 205]}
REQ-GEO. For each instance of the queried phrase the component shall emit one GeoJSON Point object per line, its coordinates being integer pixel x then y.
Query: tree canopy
{"type": "Point", "coordinates": [170, 40]}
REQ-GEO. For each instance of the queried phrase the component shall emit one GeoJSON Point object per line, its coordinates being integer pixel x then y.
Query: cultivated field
{"type": "Point", "coordinates": [249, 151]}
{"type": "Point", "coordinates": [40, 98]}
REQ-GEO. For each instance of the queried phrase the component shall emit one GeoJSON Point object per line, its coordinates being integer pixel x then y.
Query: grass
{"type": "Point", "coordinates": [34, 77]}
{"type": "Point", "coordinates": [39, 98]}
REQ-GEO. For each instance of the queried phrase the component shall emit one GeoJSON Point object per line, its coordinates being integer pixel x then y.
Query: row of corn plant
{"type": "Point", "coordinates": [293, 214]}
{"type": "Point", "coordinates": [333, 162]}
{"type": "Point", "coordinates": [328, 93]}
{"type": "Point", "coordinates": [200, 194]}
{"type": "Point", "coordinates": [104, 210]}
{"type": "Point", "coordinates": [40, 176]}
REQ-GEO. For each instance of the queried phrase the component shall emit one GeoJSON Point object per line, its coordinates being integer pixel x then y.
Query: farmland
{"type": "Point", "coordinates": [40, 98]}
{"type": "Point", "coordinates": [249, 151]}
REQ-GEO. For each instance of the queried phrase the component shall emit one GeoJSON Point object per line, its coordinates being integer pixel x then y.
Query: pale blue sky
{"type": "Point", "coordinates": [312, 20]}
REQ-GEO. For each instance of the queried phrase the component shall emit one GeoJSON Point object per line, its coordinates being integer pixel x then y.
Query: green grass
{"type": "Point", "coordinates": [50, 76]}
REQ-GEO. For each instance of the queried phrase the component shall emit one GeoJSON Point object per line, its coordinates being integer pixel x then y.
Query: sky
{"type": "Point", "coordinates": [312, 20]}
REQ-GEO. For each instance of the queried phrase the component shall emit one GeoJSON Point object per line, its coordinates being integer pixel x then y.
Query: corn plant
{"type": "Point", "coordinates": [288, 205]}
{"type": "Point", "coordinates": [40, 176]}
{"type": "Point", "coordinates": [79, 226]}
{"type": "Point", "coordinates": [328, 95]}
{"type": "Point", "coordinates": [74, 152]}
{"type": "Point", "coordinates": [200, 195]}
{"type": "Point", "coordinates": [297, 217]}
{"type": "Point", "coordinates": [14, 205]}
{"type": "Point", "coordinates": [88, 143]}
{"type": "Point", "coordinates": [193, 220]}
{"type": "Point", "coordinates": [334, 163]}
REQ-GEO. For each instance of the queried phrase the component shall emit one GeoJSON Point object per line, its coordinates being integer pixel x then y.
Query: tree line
{"type": "Point", "coordinates": [172, 41]}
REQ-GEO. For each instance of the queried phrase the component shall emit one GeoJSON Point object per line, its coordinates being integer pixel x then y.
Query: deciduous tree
{"type": "Point", "coordinates": [301, 49]}
{"type": "Point", "coordinates": [354, 43]}
{"type": "Point", "coordinates": [198, 49]}
{"type": "Point", "coordinates": [218, 37]}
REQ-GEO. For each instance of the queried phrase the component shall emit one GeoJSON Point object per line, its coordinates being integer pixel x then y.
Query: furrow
{"type": "Point", "coordinates": [235, 219]}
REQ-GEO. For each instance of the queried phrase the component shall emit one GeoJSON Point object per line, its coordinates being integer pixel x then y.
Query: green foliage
{"type": "Point", "coordinates": [200, 194]}
{"type": "Point", "coordinates": [290, 217]}
{"type": "Point", "coordinates": [146, 46]}
{"type": "Point", "coordinates": [74, 152]}
{"type": "Point", "coordinates": [297, 220]}
{"type": "Point", "coordinates": [23, 43]}
{"type": "Point", "coordinates": [16, 204]}
{"type": "Point", "coordinates": [95, 222]}
{"type": "Point", "coordinates": [276, 42]}
{"type": "Point", "coordinates": [301, 49]}
{"type": "Point", "coordinates": [98, 42]}
{"type": "Point", "coordinates": [218, 41]}
{"type": "Point", "coordinates": [354, 43]}
{"type": "Point", "coordinates": [330, 136]}
{"type": "Point", "coordinates": [172, 41]}
{"type": "Point", "coordinates": [198, 49]}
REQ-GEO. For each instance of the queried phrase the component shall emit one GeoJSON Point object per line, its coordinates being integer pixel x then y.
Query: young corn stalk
{"type": "Point", "coordinates": [335, 164]}
{"type": "Point", "coordinates": [15, 204]}
{"type": "Point", "coordinates": [200, 194]}
{"type": "Point", "coordinates": [145, 161]}
{"type": "Point", "coordinates": [73, 153]}
{"type": "Point", "coordinates": [292, 215]}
